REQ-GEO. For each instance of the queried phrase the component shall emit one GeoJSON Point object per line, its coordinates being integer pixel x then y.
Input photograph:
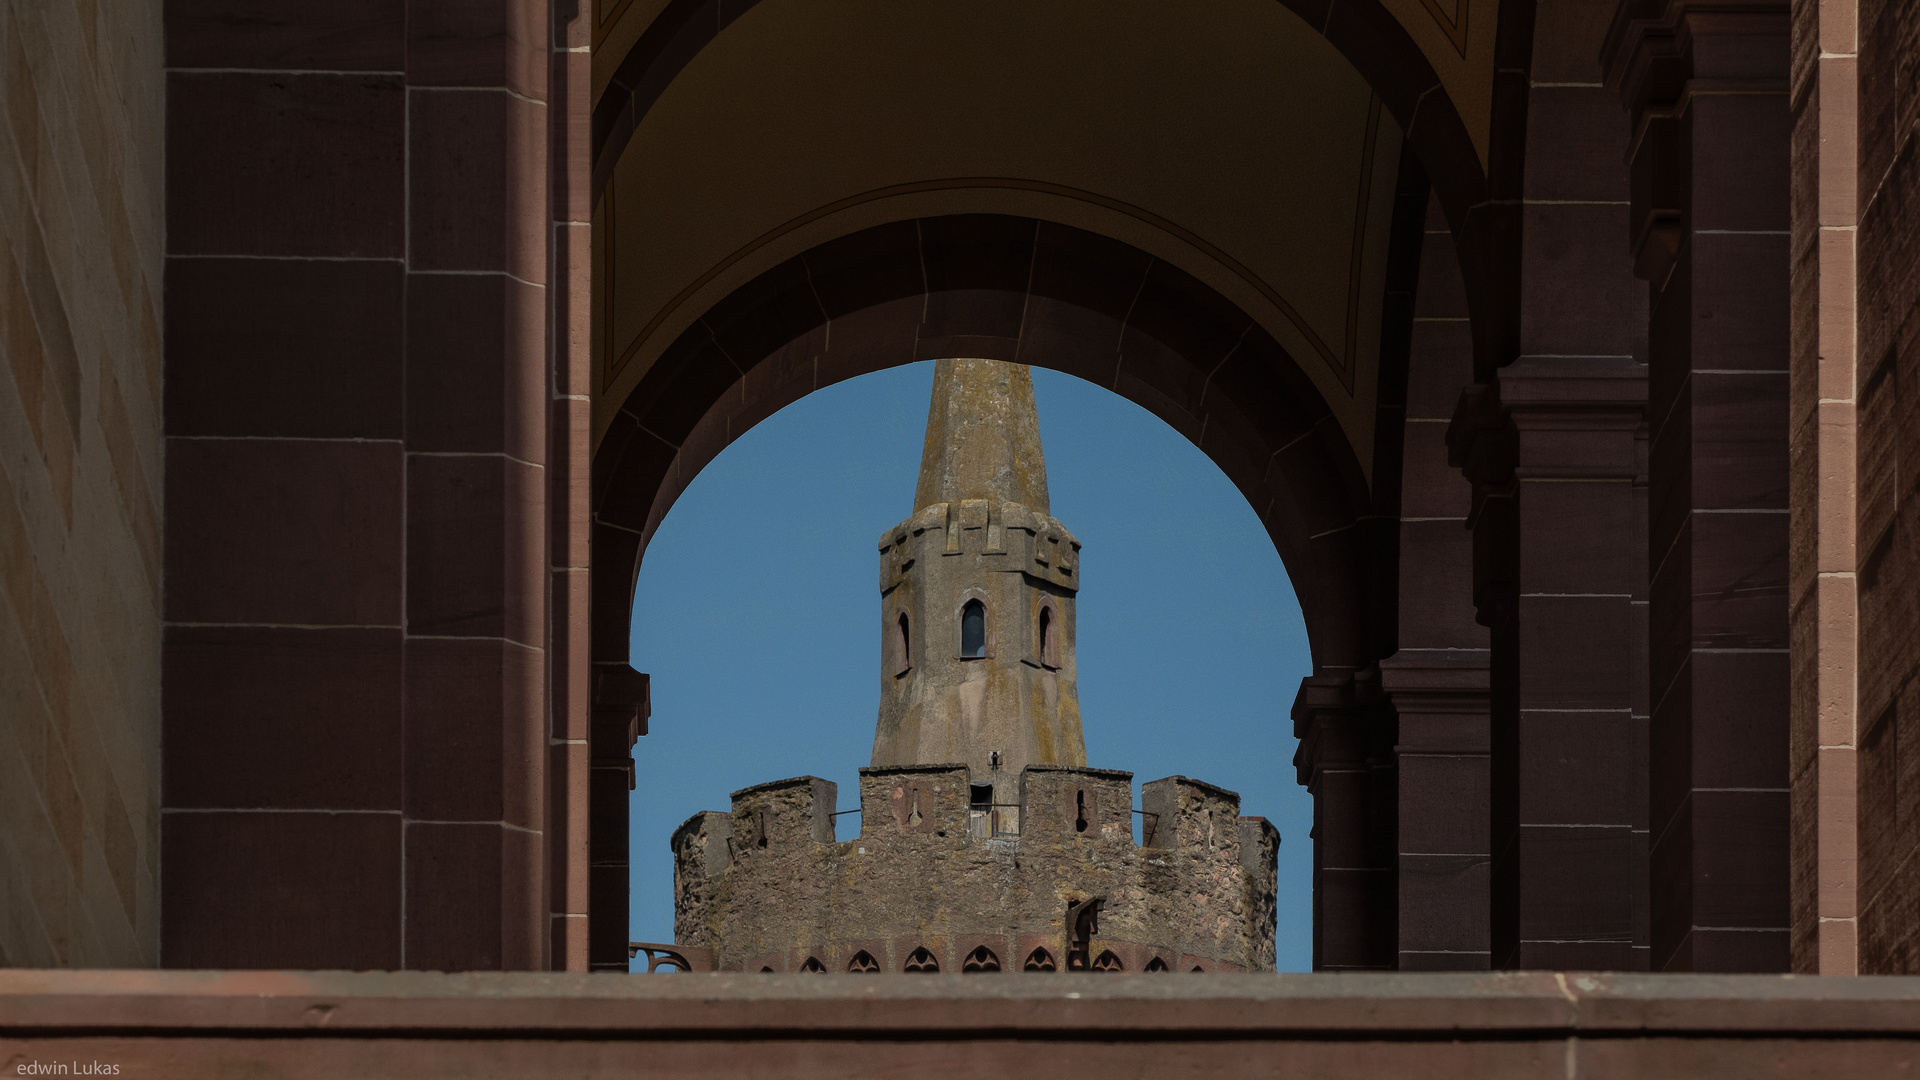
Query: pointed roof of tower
{"type": "Point", "coordinates": [983, 437]}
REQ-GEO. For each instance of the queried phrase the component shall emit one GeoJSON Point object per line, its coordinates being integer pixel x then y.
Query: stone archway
{"type": "Point", "coordinates": [741, 295]}
{"type": "Point", "coordinates": [1020, 289]}
{"type": "Point", "coordinates": [1474, 180]}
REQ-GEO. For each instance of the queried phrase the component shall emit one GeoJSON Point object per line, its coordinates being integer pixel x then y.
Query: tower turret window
{"type": "Point", "coordinates": [973, 630]}
{"type": "Point", "coordinates": [903, 644]}
{"type": "Point", "coordinates": [1049, 646]}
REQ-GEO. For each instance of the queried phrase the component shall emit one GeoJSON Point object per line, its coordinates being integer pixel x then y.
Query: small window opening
{"type": "Point", "coordinates": [1049, 653]}
{"type": "Point", "coordinates": [981, 959]}
{"type": "Point", "coordinates": [1039, 960]}
{"type": "Point", "coordinates": [763, 829]}
{"type": "Point", "coordinates": [1198, 970]}
{"type": "Point", "coordinates": [1106, 961]}
{"type": "Point", "coordinates": [863, 963]}
{"type": "Point", "coordinates": [1080, 804]}
{"type": "Point", "coordinates": [813, 966]}
{"type": "Point", "coordinates": [1156, 964]}
{"type": "Point", "coordinates": [973, 630]}
{"type": "Point", "coordinates": [980, 796]}
{"type": "Point", "coordinates": [921, 960]}
{"type": "Point", "coordinates": [914, 817]}
{"type": "Point", "coordinates": [904, 643]}
{"type": "Point", "coordinates": [766, 971]}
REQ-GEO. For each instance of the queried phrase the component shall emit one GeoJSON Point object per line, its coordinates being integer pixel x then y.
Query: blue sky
{"type": "Point", "coordinates": [755, 615]}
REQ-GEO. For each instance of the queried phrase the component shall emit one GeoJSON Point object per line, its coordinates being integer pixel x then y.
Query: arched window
{"type": "Point", "coordinates": [863, 963]}
{"type": "Point", "coordinates": [921, 960]}
{"type": "Point", "coordinates": [1157, 964]}
{"type": "Point", "coordinates": [814, 965]}
{"type": "Point", "coordinates": [981, 959]}
{"type": "Point", "coordinates": [903, 643]}
{"type": "Point", "coordinates": [1107, 961]}
{"type": "Point", "coordinates": [1039, 960]}
{"type": "Point", "coordinates": [1049, 649]}
{"type": "Point", "coordinates": [973, 630]}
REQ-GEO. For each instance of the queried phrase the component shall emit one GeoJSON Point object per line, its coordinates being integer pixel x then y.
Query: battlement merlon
{"type": "Point", "coordinates": [795, 810]}
{"type": "Point", "coordinates": [1182, 812]}
{"type": "Point", "coordinates": [1009, 536]}
{"type": "Point", "coordinates": [914, 799]}
{"type": "Point", "coordinates": [1059, 802]}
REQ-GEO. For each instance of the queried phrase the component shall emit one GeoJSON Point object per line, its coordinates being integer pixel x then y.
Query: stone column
{"type": "Point", "coordinates": [1553, 450]}
{"type": "Point", "coordinates": [1705, 84]}
{"type": "Point", "coordinates": [1345, 761]}
{"type": "Point", "coordinates": [1440, 701]}
{"type": "Point", "coordinates": [1823, 598]}
{"type": "Point", "coordinates": [354, 674]}
{"type": "Point", "coordinates": [622, 701]}
{"type": "Point", "coordinates": [1437, 681]}
{"type": "Point", "coordinates": [570, 324]}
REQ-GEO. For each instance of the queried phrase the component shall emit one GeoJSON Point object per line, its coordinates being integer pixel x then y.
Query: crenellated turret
{"type": "Point", "coordinates": [985, 843]}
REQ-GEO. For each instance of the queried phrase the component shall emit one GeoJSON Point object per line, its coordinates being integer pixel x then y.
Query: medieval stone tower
{"type": "Point", "coordinates": [986, 843]}
{"type": "Point", "coordinates": [977, 594]}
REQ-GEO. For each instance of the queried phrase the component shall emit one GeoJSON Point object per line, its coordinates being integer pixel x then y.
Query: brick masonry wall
{"type": "Point", "coordinates": [80, 469]}
{"type": "Point", "coordinates": [1888, 521]}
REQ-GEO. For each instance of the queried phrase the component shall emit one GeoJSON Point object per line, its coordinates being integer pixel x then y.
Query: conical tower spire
{"type": "Point", "coordinates": [977, 593]}
{"type": "Point", "coordinates": [983, 437]}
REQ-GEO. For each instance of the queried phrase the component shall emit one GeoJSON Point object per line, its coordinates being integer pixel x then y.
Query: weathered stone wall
{"type": "Point", "coordinates": [768, 887]}
{"type": "Point", "coordinates": [80, 472]}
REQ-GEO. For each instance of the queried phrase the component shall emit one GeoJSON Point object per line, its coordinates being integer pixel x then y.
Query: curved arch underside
{"type": "Point", "coordinates": [1433, 62]}
{"type": "Point", "coordinates": [1241, 147]}
{"type": "Point", "coordinates": [1023, 290]}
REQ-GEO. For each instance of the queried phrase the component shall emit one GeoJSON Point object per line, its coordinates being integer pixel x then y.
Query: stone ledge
{"type": "Point", "coordinates": [531, 1005]}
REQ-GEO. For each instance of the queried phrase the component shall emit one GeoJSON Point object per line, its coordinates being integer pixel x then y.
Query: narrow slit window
{"type": "Point", "coordinates": [973, 630]}
{"type": "Point", "coordinates": [1049, 653]}
{"type": "Point", "coordinates": [903, 642]}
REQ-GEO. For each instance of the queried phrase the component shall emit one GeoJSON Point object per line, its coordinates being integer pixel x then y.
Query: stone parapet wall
{"type": "Point", "coordinates": [426, 1026]}
{"type": "Point", "coordinates": [769, 887]}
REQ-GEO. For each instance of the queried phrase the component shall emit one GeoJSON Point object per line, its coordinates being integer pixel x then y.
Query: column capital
{"type": "Point", "coordinates": [1441, 697]}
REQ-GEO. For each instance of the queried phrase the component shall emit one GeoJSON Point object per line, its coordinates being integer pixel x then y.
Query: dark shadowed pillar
{"type": "Point", "coordinates": [1346, 761]}
{"type": "Point", "coordinates": [1553, 449]}
{"type": "Point", "coordinates": [354, 673]}
{"type": "Point", "coordinates": [1437, 681]}
{"type": "Point", "coordinates": [622, 702]}
{"type": "Point", "coordinates": [1705, 84]}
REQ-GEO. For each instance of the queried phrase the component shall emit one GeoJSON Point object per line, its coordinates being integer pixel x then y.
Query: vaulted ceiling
{"type": "Point", "coordinates": [1232, 140]}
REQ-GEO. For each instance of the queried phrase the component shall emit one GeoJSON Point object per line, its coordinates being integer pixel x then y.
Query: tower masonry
{"type": "Point", "coordinates": [985, 842]}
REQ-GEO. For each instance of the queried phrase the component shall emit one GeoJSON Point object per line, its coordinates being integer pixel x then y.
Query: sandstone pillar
{"type": "Point", "coordinates": [569, 423]}
{"type": "Point", "coordinates": [1553, 448]}
{"type": "Point", "coordinates": [1705, 84]}
{"type": "Point", "coordinates": [1887, 461]}
{"type": "Point", "coordinates": [1346, 761]}
{"type": "Point", "coordinates": [1823, 590]}
{"type": "Point", "coordinates": [354, 676]}
{"type": "Point", "coordinates": [1437, 680]}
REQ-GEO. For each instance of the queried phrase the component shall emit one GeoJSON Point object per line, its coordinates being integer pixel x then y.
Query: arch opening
{"type": "Point", "coordinates": [1117, 470]}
